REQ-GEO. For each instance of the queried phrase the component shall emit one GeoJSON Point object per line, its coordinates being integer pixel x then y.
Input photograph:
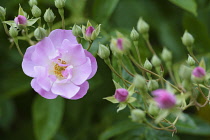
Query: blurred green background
{"type": "Point", "coordinates": [25, 115]}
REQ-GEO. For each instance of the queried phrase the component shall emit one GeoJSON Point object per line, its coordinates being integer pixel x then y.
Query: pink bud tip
{"type": "Point", "coordinates": [89, 31]}
{"type": "Point", "coordinates": [20, 20]}
{"type": "Point", "coordinates": [164, 99]}
{"type": "Point", "coordinates": [199, 72]}
{"type": "Point", "coordinates": [121, 94]}
{"type": "Point", "coordinates": [120, 43]}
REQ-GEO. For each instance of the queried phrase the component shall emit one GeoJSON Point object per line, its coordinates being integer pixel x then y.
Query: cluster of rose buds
{"type": "Point", "coordinates": [151, 93]}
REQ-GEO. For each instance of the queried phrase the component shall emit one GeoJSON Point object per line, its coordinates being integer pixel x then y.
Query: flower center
{"type": "Point", "coordinates": [59, 68]}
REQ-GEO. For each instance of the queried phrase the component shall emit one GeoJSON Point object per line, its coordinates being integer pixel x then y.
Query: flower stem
{"type": "Point", "coordinates": [107, 61]}
{"type": "Point", "coordinates": [18, 47]}
{"type": "Point", "coordinates": [90, 44]}
{"type": "Point", "coordinates": [150, 47]}
{"type": "Point", "coordinates": [61, 12]}
{"type": "Point", "coordinates": [142, 68]}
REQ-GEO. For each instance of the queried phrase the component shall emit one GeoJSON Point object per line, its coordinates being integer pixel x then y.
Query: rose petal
{"type": "Point", "coordinates": [42, 92]}
{"type": "Point", "coordinates": [42, 78]}
{"type": "Point", "coordinates": [66, 90]}
{"type": "Point", "coordinates": [28, 64]}
{"type": "Point", "coordinates": [93, 63]}
{"type": "Point", "coordinates": [81, 73]}
{"type": "Point", "coordinates": [44, 52]}
{"type": "Point", "coordinates": [74, 53]}
{"type": "Point", "coordinates": [57, 36]}
{"type": "Point", "coordinates": [83, 90]}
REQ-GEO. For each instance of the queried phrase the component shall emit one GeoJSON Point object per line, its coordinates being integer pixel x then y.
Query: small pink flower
{"type": "Point", "coordinates": [89, 31]}
{"type": "Point", "coordinates": [199, 72]}
{"type": "Point", "coordinates": [120, 43]}
{"type": "Point", "coordinates": [59, 66]}
{"type": "Point", "coordinates": [121, 94]}
{"type": "Point", "coordinates": [164, 99]}
{"type": "Point", "coordinates": [20, 20]}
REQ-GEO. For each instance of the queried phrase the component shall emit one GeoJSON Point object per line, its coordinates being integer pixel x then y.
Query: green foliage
{"type": "Point", "coordinates": [47, 117]}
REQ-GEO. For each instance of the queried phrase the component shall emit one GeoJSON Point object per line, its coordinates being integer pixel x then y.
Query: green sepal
{"type": "Point", "coordinates": [111, 99]}
{"type": "Point", "coordinates": [121, 106]}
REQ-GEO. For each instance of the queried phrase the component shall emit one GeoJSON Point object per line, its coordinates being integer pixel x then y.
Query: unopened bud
{"type": "Point", "coordinates": [137, 115]}
{"type": "Point", "coordinates": [139, 82]}
{"type": "Point", "coordinates": [76, 30]}
{"type": "Point", "coordinates": [142, 27]}
{"type": "Point", "coordinates": [121, 94]}
{"type": "Point", "coordinates": [60, 3]}
{"type": "Point", "coordinates": [40, 33]}
{"type": "Point", "coordinates": [32, 2]}
{"type": "Point", "coordinates": [96, 32]}
{"type": "Point", "coordinates": [164, 99]}
{"type": "Point", "coordinates": [190, 61]}
{"type": "Point", "coordinates": [88, 32]}
{"type": "Point", "coordinates": [120, 46]}
{"type": "Point", "coordinates": [20, 20]}
{"type": "Point", "coordinates": [49, 16]}
{"type": "Point", "coordinates": [134, 35]}
{"type": "Point", "coordinates": [185, 72]}
{"type": "Point", "coordinates": [13, 32]}
{"type": "Point", "coordinates": [2, 13]}
{"type": "Point", "coordinates": [156, 61]}
{"type": "Point", "coordinates": [103, 52]}
{"type": "Point", "coordinates": [36, 12]}
{"type": "Point", "coordinates": [187, 39]}
{"type": "Point", "coordinates": [147, 65]}
{"type": "Point", "coordinates": [166, 55]}
{"type": "Point", "coordinates": [153, 110]}
{"type": "Point", "coordinates": [152, 85]}
{"type": "Point", "coordinates": [198, 74]}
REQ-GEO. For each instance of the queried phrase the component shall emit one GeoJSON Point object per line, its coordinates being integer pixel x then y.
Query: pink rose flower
{"type": "Point", "coordinates": [59, 66]}
{"type": "Point", "coordinates": [20, 20]}
{"type": "Point", "coordinates": [164, 99]}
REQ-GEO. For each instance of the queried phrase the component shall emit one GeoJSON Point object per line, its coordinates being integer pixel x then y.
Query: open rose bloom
{"type": "Point", "coordinates": [59, 66]}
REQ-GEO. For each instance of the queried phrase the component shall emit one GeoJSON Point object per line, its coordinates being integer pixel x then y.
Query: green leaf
{"type": "Point", "coordinates": [7, 113]}
{"type": "Point", "coordinates": [47, 117]}
{"type": "Point", "coordinates": [193, 125]}
{"type": "Point", "coordinates": [117, 129]}
{"type": "Point", "coordinates": [188, 5]}
{"type": "Point", "coordinates": [98, 12]}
